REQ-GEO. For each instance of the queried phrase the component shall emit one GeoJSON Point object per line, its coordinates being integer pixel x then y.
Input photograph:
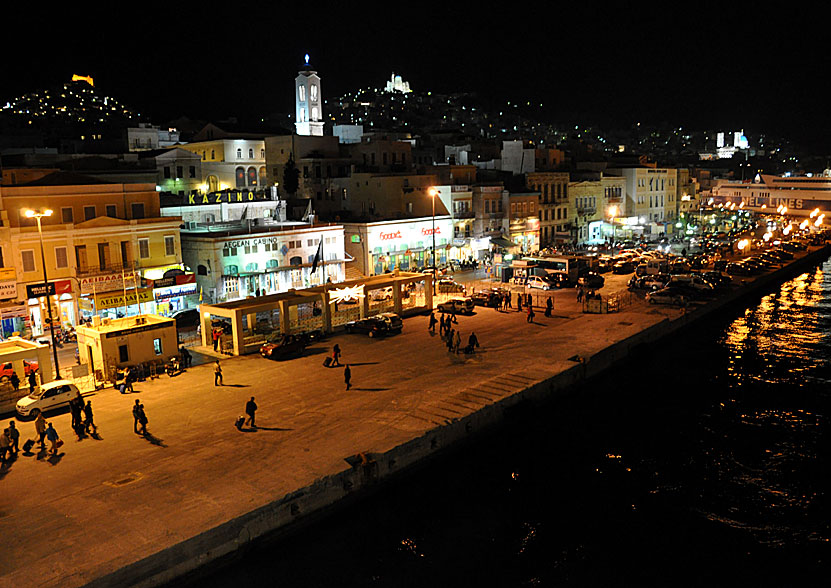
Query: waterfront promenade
{"type": "Point", "coordinates": [128, 510]}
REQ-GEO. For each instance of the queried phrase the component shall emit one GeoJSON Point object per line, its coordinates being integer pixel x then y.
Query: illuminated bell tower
{"type": "Point", "coordinates": [308, 114]}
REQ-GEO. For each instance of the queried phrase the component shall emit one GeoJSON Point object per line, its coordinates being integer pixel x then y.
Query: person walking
{"type": "Point", "coordinates": [580, 294]}
{"type": "Point", "coordinates": [136, 415]}
{"type": "Point", "coordinates": [217, 374]}
{"type": "Point", "coordinates": [15, 380]}
{"type": "Point", "coordinates": [215, 337]}
{"type": "Point", "coordinates": [89, 425]}
{"type": "Point", "coordinates": [519, 302]}
{"type": "Point", "coordinates": [508, 304]}
{"type": "Point", "coordinates": [472, 342]}
{"type": "Point", "coordinates": [40, 429]}
{"type": "Point", "coordinates": [347, 376]}
{"type": "Point", "coordinates": [457, 342]}
{"type": "Point", "coordinates": [549, 306]}
{"type": "Point", "coordinates": [142, 419]}
{"type": "Point", "coordinates": [129, 378]}
{"type": "Point", "coordinates": [187, 358]}
{"type": "Point", "coordinates": [433, 321]}
{"type": "Point", "coordinates": [14, 437]}
{"type": "Point", "coordinates": [450, 340]}
{"type": "Point", "coordinates": [33, 380]}
{"type": "Point", "coordinates": [336, 355]}
{"type": "Point", "coordinates": [251, 410]}
{"type": "Point", "coordinates": [530, 318]}
{"type": "Point", "coordinates": [53, 438]}
{"type": "Point", "coordinates": [5, 445]}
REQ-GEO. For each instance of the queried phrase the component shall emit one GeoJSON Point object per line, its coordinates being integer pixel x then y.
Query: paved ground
{"type": "Point", "coordinates": [106, 502]}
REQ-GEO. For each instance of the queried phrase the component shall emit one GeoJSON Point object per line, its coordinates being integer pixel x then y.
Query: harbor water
{"type": "Point", "coordinates": [701, 462]}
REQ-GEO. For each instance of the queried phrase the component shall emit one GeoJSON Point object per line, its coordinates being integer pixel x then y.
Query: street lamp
{"type": "Point", "coordinates": [613, 210]}
{"type": "Point", "coordinates": [433, 193]}
{"type": "Point", "coordinates": [37, 216]}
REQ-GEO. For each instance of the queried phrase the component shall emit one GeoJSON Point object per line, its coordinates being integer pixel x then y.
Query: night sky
{"type": "Point", "coordinates": [710, 67]}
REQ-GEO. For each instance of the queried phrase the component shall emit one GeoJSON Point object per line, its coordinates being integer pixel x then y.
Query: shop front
{"type": "Point", "coordinates": [64, 307]}
{"type": "Point", "coordinates": [172, 293]}
{"type": "Point", "coordinates": [408, 245]}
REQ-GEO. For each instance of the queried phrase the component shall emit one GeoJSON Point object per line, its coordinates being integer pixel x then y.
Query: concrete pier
{"type": "Point", "coordinates": [132, 511]}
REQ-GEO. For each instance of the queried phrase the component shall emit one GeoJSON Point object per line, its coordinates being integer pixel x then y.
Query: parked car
{"type": "Point", "coordinates": [623, 267]}
{"type": "Point", "coordinates": [667, 296]}
{"type": "Point", "coordinates": [560, 280]}
{"type": "Point", "coordinates": [489, 297]}
{"type": "Point", "coordinates": [538, 282]}
{"type": "Point", "coordinates": [49, 396]}
{"type": "Point", "coordinates": [456, 306]}
{"type": "Point", "coordinates": [377, 325]}
{"type": "Point", "coordinates": [591, 280]}
{"type": "Point", "coordinates": [737, 269]}
{"type": "Point", "coordinates": [447, 285]}
{"type": "Point", "coordinates": [717, 279]}
{"type": "Point", "coordinates": [28, 368]}
{"type": "Point", "coordinates": [283, 346]}
{"type": "Point", "coordinates": [186, 318]}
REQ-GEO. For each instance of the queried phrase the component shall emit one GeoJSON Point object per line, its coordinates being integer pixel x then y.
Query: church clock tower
{"type": "Point", "coordinates": [308, 115]}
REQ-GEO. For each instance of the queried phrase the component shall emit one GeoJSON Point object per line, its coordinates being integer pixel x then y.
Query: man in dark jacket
{"type": "Point", "coordinates": [250, 410]}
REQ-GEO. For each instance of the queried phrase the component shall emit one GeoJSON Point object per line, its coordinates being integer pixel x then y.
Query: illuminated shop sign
{"type": "Point", "coordinates": [226, 197]}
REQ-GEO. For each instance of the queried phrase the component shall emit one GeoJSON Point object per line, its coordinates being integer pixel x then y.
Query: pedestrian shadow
{"type": "Point", "coordinates": [371, 389]}
{"type": "Point", "coordinates": [538, 324]}
{"type": "Point", "coordinates": [5, 468]}
{"type": "Point", "coordinates": [55, 459]}
{"type": "Point", "coordinates": [154, 440]}
{"type": "Point", "coordinates": [236, 385]}
{"type": "Point", "coordinates": [260, 428]}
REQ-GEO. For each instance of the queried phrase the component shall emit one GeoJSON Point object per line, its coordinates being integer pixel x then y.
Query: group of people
{"type": "Point", "coordinates": [451, 337]}
{"type": "Point", "coordinates": [82, 422]}
{"type": "Point", "coordinates": [10, 439]}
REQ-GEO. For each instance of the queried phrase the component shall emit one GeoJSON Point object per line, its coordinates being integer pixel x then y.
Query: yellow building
{"type": "Point", "coordinates": [100, 242]}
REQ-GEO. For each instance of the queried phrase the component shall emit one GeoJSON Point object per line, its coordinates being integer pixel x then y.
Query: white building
{"type": "Point", "coordinates": [240, 261]}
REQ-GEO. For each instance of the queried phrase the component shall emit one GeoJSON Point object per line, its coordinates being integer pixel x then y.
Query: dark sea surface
{"type": "Point", "coordinates": [702, 462]}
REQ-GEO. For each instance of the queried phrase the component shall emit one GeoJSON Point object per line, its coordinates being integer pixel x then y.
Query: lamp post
{"type": "Point", "coordinates": [37, 216]}
{"type": "Point", "coordinates": [613, 210]}
{"type": "Point", "coordinates": [433, 192]}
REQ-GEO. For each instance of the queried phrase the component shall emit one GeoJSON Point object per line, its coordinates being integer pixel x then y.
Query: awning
{"type": "Point", "coordinates": [502, 242]}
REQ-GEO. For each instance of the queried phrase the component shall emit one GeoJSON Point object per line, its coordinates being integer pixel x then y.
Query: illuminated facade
{"type": "Point", "coordinates": [229, 164]}
{"type": "Point", "coordinates": [308, 113]}
{"type": "Point", "coordinates": [241, 261]}
{"type": "Point", "coordinates": [800, 195]}
{"type": "Point", "coordinates": [100, 240]}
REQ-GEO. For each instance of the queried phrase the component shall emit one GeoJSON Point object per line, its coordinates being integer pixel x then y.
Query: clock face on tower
{"type": "Point", "coordinates": [313, 92]}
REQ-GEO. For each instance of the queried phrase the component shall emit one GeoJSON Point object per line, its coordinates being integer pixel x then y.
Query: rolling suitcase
{"type": "Point", "coordinates": [239, 422]}
{"type": "Point", "coordinates": [327, 362]}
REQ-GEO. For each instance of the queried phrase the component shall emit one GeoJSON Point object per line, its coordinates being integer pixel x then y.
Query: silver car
{"type": "Point", "coordinates": [456, 306]}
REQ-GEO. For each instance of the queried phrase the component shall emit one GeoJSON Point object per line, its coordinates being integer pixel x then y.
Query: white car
{"type": "Point", "coordinates": [538, 282]}
{"type": "Point", "coordinates": [50, 395]}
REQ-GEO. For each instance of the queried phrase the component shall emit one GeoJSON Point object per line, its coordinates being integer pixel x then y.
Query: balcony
{"type": "Point", "coordinates": [464, 214]}
{"type": "Point", "coordinates": [111, 268]}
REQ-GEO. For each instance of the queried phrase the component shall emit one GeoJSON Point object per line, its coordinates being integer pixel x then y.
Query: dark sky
{"type": "Point", "coordinates": [697, 65]}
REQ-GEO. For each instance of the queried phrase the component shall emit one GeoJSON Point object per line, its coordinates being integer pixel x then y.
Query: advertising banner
{"type": "Point", "coordinates": [108, 282]}
{"type": "Point", "coordinates": [103, 301]}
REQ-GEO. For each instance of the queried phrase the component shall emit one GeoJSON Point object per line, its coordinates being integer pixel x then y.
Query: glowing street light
{"type": "Point", "coordinates": [37, 216]}
{"type": "Point", "coordinates": [613, 210]}
{"type": "Point", "coordinates": [433, 193]}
